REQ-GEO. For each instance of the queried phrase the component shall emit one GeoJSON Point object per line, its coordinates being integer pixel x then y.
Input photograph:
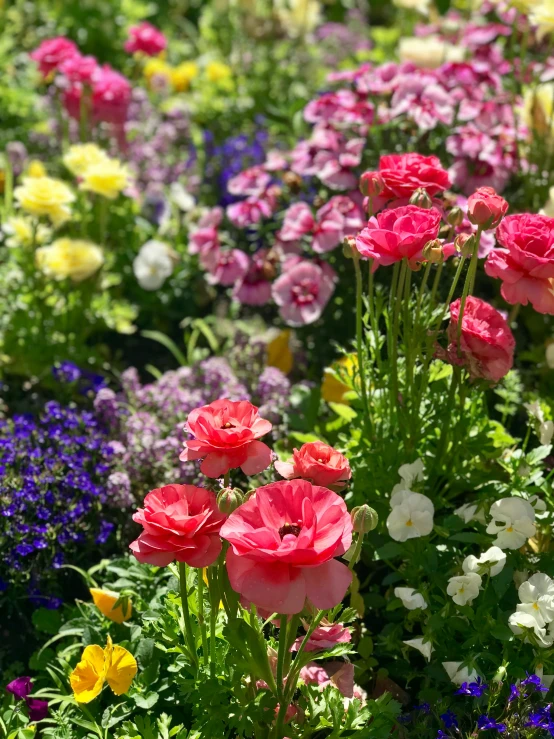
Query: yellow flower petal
{"type": "Point", "coordinates": [121, 671]}
{"type": "Point", "coordinates": [339, 379]}
{"type": "Point", "coordinates": [104, 600]}
{"type": "Point", "coordinates": [87, 679]}
{"type": "Point", "coordinates": [278, 352]}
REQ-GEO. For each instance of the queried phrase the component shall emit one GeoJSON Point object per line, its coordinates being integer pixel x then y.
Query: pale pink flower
{"type": "Point", "coordinates": [228, 267]}
{"type": "Point", "coordinates": [302, 293]}
{"type": "Point", "coordinates": [254, 288]}
{"type": "Point", "coordinates": [253, 182]}
{"type": "Point", "coordinates": [297, 222]}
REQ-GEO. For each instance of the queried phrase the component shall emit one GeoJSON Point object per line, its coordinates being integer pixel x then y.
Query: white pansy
{"type": "Point", "coordinates": [459, 674]}
{"type": "Point", "coordinates": [409, 473]}
{"type": "Point", "coordinates": [426, 648]}
{"type": "Point", "coordinates": [410, 598]}
{"type": "Point", "coordinates": [182, 199]}
{"type": "Point", "coordinates": [546, 428]}
{"type": "Point", "coordinates": [537, 598]}
{"type": "Point", "coordinates": [463, 589]}
{"type": "Point", "coordinates": [520, 621]}
{"type": "Point", "coordinates": [512, 522]}
{"type": "Point", "coordinates": [412, 518]}
{"type": "Point", "coordinates": [399, 497]}
{"type": "Point", "coordinates": [493, 561]}
{"type": "Point", "coordinates": [429, 52]}
{"type": "Point", "coordinates": [153, 264]}
{"type": "Point", "coordinates": [469, 512]}
{"type": "Point", "coordinates": [549, 355]}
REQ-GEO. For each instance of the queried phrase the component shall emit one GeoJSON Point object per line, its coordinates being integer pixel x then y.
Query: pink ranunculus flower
{"type": "Point", "coordinates": [145, 38]}
{"type": "Point", "coordinates": [526, 263]}
{"type": "Point", "coordinates": [302, 292]}
{"type": "Point", "coordinates": [226, 434]}
{"type": "Point", "coordinates": [180, 522]}
{"type": "Point", "coordinates": [398, 233]}
{"type": "Point", "coordinates": [486, 208]}
{"type": "Point", "coordinates": [326, 636]}
{"type": "Point", "coordinates": [319, 463]}
{"type": "Point", "coordinates": [253, 181]}
{"type": "Point", "coordinates": [228, 267]}
{"type": "Point", "coordinates": [284, 541]}
{"type": "Point", "coordinates": [486, 342]}
{"type": "Point", "coordinates": [52, 52]}
{"type": "Point", "coordinates": [78, 68]}
{"type": "Point", "coordinates": [111, 96]}
{"type": "Point", "coordinates": [404, 173]}
{"type": "Point", "coordinates": [298, 222]}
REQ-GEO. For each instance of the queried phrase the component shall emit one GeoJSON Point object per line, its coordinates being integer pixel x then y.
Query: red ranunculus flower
{"type": "Point", "coordinates": [283, 543]}
{"type": "Point", "coordinates": [397, 233]}
{"type": "Point", "coordinates": [404, 173]}
{"type": "Point", "coordinates": [486, 342]}
{"type": "Point", "coordinates": [145, 38]}
{"type": "Point", "coordinates": [319, 463]}
{"type": "Point", "coordinates": [226, 434]}
{"type": "Point", "coordinates": [52, 52]}
{"type": "Point", "coordinates": [181, 522]}
{"type": "Point", "coordinates": [486, 207]}
{"type": "Point", "coordinates": [326, 636]}
{"type": "Point", "coordinates": [526, 264]}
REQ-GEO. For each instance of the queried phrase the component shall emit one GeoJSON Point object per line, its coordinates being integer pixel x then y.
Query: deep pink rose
{"type": "Point", "coordinates": [180, 522]}
{"type": "Point", "coordinates": [404, 173]}
{"type": "Point", "coordinates": [226, 434]}
{"type": "Point", "coordinates": [326, 636]}
{"type": "Point", "coordinates": [398, 233]}
{"type": "Point", "coordinates": [526, 264]}
{"type": "Point", "coordinates": [111, 96]}
{"type": "Point", "coordinates": [302, 292]}
{"type": "Point", "coordinates": [52, 52]}
{"type": "Point", "coordinates": [319, 463]}
{"type": "Point", "coordinates": [486, 208]}
{"type": "Point", "coordinates": [486, 342]}
{"type": "Point", "coordinates": [283, 543]}
{"type": "Point", "coordinates": [145, 38]}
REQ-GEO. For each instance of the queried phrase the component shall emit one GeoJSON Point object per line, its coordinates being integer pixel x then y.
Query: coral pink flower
{"type": "Point", "coordinates": [253, 181]}
{"type": "Point", "coordinates": [180, 522]}
{"type": "Point", "coordinates": [486, 208]}
{"type": "Point", "coordinates": [111, 96]}
{"type": "Point", "coordinates": [226, 436]}
{"type": "Point", "coordinates": [324, 637]}
{"type": "Point", "coordinates": [145, 38]}
{"type": "Point", "coordinates": [319, 463]}
{"type": "Point", "coordinates": [404, 173]}
{"type": "Point", "coordinates": [302, 293]}
{"type": "Point", "coordinates": [52, 52]}
{"type": "Point", "coordinates": [398, 233]}
{"type": "Point", "coordinates": [255, 288]}
{"type": "Point", "coordinates": [297, 222]}
{"type": "Point", "coordinates": [486, 342]}
{"type": "Point", "coordinates": [339, 674]}
{"type": "Point", "coordinates": [526, 264]}
{"type": "Point", "coordinates": [283, 543]}
{"type": "Point", "coordinates": [228, 267]}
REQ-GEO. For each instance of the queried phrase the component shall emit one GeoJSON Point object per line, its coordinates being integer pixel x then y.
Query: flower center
{"type": "Point", "coordinates": [304, 292]}
{"type": "Point", "coordinates": [409, 522]}
{"type": "Point", "coordinates": [228, 425]}
{"type": "Point", "coordinates": [290, 528]}
{"type": "Point", "coordinates": [510, 529]}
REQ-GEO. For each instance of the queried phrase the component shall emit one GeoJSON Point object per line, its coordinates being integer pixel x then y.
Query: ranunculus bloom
{"type": "Point", "coordinates": [302, 292]}
{"type": "Point", "coordinates": [486, 342]}
{"type": "Point", "coordinates": [111, 96]}
{"type": "Point", "coordinates": [79, 68]}
{"type": "Point", "coordinates": [283, 543]}
{"type": "Point", "coordinates": [404, 173]}
{"type": "Point", "coordinates": [52, 52]}
{"type": "Point", "coordinates": [319, 463]}
{"type": "Point", "coordinates": [145, 38]}
{"type": "Point", "coordinates": [526, 264]}
{"type": "Point", "coordinates": [326, 636]}
{"type": "Point", "coordinates": [486, 208]}
{"type": "Point", "coordinates": [398, 233]}
{"type": "Point", "coordinates": [181, 522]}
{"type": "Point", "coordinates": [226, 434]}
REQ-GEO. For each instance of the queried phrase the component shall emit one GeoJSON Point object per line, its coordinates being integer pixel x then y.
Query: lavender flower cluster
{"type": "Point", "coordinates": [146, 421]}
{"type": "Point", "coordinates": [53, 473]}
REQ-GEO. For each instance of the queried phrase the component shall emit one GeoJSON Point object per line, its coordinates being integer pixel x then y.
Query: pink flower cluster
{"type": "Point", "coordinates": [145, 39]}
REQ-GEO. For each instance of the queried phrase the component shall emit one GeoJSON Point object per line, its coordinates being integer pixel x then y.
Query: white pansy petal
{"type": "Point", "coordinates": [426, 648]}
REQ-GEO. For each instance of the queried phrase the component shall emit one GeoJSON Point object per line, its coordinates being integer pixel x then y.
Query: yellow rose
{"type": "Point", "coordinates": [80, 157]}
{"type": "Point", "coordinates": [36, 169]}
{"type": "Point", "coordinates": [45, 196]}
{"type": "Point", "coordinates": [20, 232]}
{"type": "Point", "coordinates": [69, 258]}
{"type": "Point", "coordinates": [538, 109]}
{"type": "Point", "coordinates": [218, 72]}
{"type": "Point", "coordinates": [542, 16]}
{"type": "Point", "coordinates": [182, 75]}
{"type": "Point", "coordinates": [108, 178]}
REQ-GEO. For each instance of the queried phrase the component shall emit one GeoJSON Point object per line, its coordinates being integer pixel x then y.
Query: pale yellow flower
{"type": "Point", "coordinates": [298, 16]}
{"type": "Point", "coordinates": [542, 16]}
{"type": "Point", "coordinates": [218, 72]}
{"type": "Point", "coordinates": [422, 6]}
{"type": "Point", "coordinates": [156, 67]}
{"type": "Point", "coordinates": [538, 109]}
{"type": "Point", "coordinates": [69, 258]}
{"type": "Point", "coordinates": [36, 169]}
{"type": "Point", "coordinates": [108, 178]}
{"type": "Point", "coordinates": [45, 196]}
{"type": "Point", "coordinates": [279, 353]}
{"type": "Point", "coordinates": [524, 6]}
{"type": "Point", "coordinates": [428, 52]}
{"type": "Point", "coordinates": [80, 157]}
{"type": "Point", "coordinates": [20, 232]}
{"type": "Point", "coordinates": [182, 75]}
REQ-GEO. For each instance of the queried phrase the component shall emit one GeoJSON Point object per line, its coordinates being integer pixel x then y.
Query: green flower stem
{"type": "Point", "coordinates": [292, 679]}
{"type": "Point", "coordinates": [214, 608]}
{"type": "Point", "coordinates": [421, 292]}
{"type": "Point", "coordinates": [102, 208]}
{"type": "Point", "coordinates": [435, 288]}
{"type": "Point", "coordinates": [393, 347]}
{"type": "Point", "coordinates": [226, 479]}
{"type": "Point", "coordinates": [201, 619]}
{"type": "Point", "coordinates": [359, 337]}
{"type": "Point", "coordinates": [469, 283]}
{"type": "Point", "coordinates": [292, 631]}
{"type": "Point", "coordinates": [191, 642]}
{"type": "Point", "coordinates": [357, 551]}
{"type": "Point", "coordinates": [283, 639]}
{"type": "Point", "coordinates": [373, 319]}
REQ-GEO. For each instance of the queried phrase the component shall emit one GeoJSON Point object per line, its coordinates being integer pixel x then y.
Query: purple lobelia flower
{"type": "Point", "coordinates": [475, 689]}
{"type": "Point", "coordinates": [487, 722]}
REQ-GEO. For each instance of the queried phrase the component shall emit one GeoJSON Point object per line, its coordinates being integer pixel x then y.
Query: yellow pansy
{"type": "Point", "coordinates": [114, 665]}
{"type": "Point", "coordinates": [107, 178]}
{"type": "Point", "coordinates": [182, 75]}
{"type": "Point", "coordinates": [278, 352]}
{"type": "Point", "coordinates": [45, 196]}
{"type": "Point", "coordinates": [339, 379]}
{"type": "Point", "coordinates": [20, 232]}
{"type": "Point", "coordinates": [36, 169]}
{"type": "Point", "coordinates": [218, 72]}
{"type": "Point", "coordinates": [104, 600]}
{"type": "Point", "coordinates": [156, 67]}
{"type": "Point", "coordinates": [80, 157]}
{"type": "Point", "coordinates": [69, 258]}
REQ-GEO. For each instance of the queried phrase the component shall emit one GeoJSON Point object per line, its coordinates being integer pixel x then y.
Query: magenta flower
{"type": "Point", "coordinates": [302, 293]}
{"type": "Point", "coordinates": [52, 52]}
{"type": "Point", "coordinates": [145, 38]}
{"type": "Point", "coordinates": [111, 96]}
{"type": "Point", "coordinates": [248, 212]}
{"type": "Point", "coordinates": [21, 687]}
{"type": "Point", "coordinates": [254, 288]}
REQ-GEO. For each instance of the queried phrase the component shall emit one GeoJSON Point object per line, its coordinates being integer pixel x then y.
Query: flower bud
{"type": "Point", "coordinates": [371, 184]}
{"type": "Point", "coordinates": [293, 181]}
{"type": "Point", "coordinates": [486, 208]}
{"type": "Point", "coordinates": [465, 244]}
{"type": "Point", "coordinates": [349, 246]}
{"type": "Point", "coordinates": [420, 197]}
{"type": "Point", "coordinates": [364, 519]}
{"type": "Point", "coordinates": [455, 216]}
{"type": "Point", "coordinates": [229, 499]}
{"type": "Point", "coordinates": [432, 252]}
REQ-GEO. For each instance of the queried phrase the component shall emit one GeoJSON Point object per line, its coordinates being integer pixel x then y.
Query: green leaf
{"type": "Point", "coordinates": [343, 411]}
{"type": "Point", "coordinates": [147, 700]}
{"type": "Point", "coordinates": [501, 631]}
{"type": "Point", "coordinates": [468, 537]}
{"type": "Point", "coordinates": [154, 371]}
{"type": "Point", "coordinates": [169, 344]}
{"type": "Point", "coordinates": [365, 647]}
{"type": "Point", "coordinates": [389, 551]}
{"type": "Point", "coordinates": [304, 438]}
{"type": "Point", "coordinates": [47, 620]}
{"type": "Point", "coordinates": [145, 652]}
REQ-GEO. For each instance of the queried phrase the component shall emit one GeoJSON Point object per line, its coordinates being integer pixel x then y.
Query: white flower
{"type": "Point", "coordinates": [493, 559]}
{"type": "Point", "coordinates": [464, 588]}
{"type": "Point", "coordinates": [537, 598]}
{"type": "Point", "coordinates": [409, 473]}
{"type": "Point", "coordinates": [153, 265]}
{"type": "Point", "coordinates": [469, 512]}
{"type": "Point", "coordinates": [520, 620]}
{"type": "Point", "coordinates": [542, 16]}
{"type": "Point", "coordinates": [426, 648]}
{"type": "Point", "coordinates": [512, 522]}
{"type": "Point", "coordinates": [546, 428]}
{"type": "Point", "coordinates": [422, 6]}
{"type": "Point", "coordinates": [459, 674]}
{"type": "Point", "coordinates": [412, 518]}
{"type": "Point", "coordinates": [549, 355]}
{"type": "Point", "coordinates": [545, 679]}
{"type": "Point", "coordinates": [298, 16]}
{"type": "Point", "coordinates": [182, 199]}
{"type": "Point", "coordinates": [429, 52]}
{"type": "Point", "coordinates": [410, 598]}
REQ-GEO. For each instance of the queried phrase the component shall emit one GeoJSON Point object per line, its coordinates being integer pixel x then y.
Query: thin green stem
{"type": "Point", "coordinates": [469, 283]}
{"type": "Point", "coordinates": [357, 552]}
{"type": "Point", "coordinates": [201, 620]}
{"type": "Point", "coordinates": [214, 608]}
{"type": "Point", "coordinates": [373, 319]}
{"type": "Point", "coordinates": [421, 292]}
{"type": "Point", "coordinates": [283, 623]}
{"type": "Point", "coordinates": [359, 338]}
{"type": "Point", "coordinates": [435, 287]}
{"type": "Point", "coordinates": [394, 341]}
{"type": "Point", "coordinates": [446, 415]}
{"type": "Point", "coordinates": [226, 479]}
{"type": "Point", "coordinates": [191, 642]}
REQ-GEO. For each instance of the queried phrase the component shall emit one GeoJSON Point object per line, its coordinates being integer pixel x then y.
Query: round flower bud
{"type": "Point", "coordinates": [455, 216]}
{"type": "Point", "coordinates": [229, 499]}
{"type": "Point", "coordinates": [465, 244]}
{"type": "Point", "coordinates": [432, 252]}
{"type": "Point", "coordinates": [348, 246]}
{"type": "Point", "coordinates": [486, 208]}
{"type": "Point", "coordinates": [420, 197]}
{"type": "Point", "coordinates": [364, 519]}
{"type": "Point", "coordinates": [371, 184]}
{"type": "Point", "coordinates": [293, 181]}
